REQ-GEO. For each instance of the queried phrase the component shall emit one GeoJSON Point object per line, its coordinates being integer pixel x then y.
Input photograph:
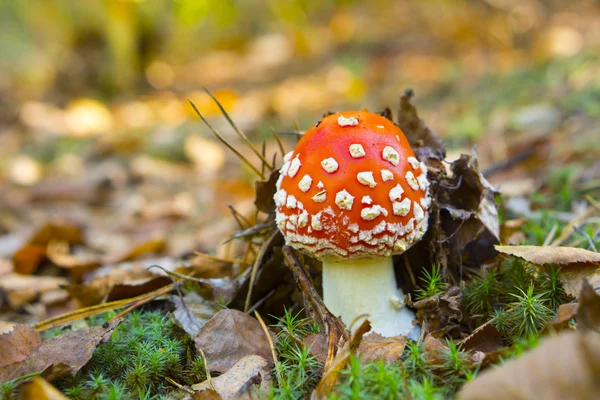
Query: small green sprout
{"type": "Point", "coordinates": [432, 283]}
{"type": "Point", "coordinates": [528, 313]}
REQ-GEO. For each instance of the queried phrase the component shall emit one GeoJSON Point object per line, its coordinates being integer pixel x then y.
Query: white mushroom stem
{"type": "Point", "coordinates": [355, 287]}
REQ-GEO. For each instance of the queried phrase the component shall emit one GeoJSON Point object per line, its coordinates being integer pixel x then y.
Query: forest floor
{"type": "Point", "coordinates": [139, 256]}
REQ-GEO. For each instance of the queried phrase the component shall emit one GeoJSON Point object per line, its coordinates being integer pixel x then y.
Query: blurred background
{"type": "Point", "coordinates": [95, 126]}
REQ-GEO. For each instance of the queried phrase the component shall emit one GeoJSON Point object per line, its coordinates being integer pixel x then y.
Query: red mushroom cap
{"type": "Point", "coordinates": [352, 188]}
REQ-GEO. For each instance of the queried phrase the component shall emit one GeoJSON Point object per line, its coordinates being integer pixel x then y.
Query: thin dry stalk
{"type": "Point", "coordinates": [237, 130]}
{"type": "Point", "coordinates": [273, 351]}
{"type": "Point", "coordinates": [279, 142]}
{"type": "Point", "coordinates": [313, 304]}
{"type": "Point", "coordinates": [98, 309]}
{"type": "Point", "coordinates": [257, 263]}
{"type": "Point", "coordinates": [220, 259]}
{"type": "Point", "coordinates": [222, 140]}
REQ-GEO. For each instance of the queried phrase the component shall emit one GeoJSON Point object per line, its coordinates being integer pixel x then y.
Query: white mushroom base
{"type": "Point", "coordinates": [355, 287]}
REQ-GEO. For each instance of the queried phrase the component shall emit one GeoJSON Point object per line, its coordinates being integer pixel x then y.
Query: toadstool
{"type": "Point", "coordinates": [352, 194]}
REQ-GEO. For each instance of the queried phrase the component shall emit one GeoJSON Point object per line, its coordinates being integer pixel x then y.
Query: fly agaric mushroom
{"type": "Point", "coordinates": [352, 194]}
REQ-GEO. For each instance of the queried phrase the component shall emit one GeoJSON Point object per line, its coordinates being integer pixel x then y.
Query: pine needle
{"type": "Point", "coordinates": [222, 139]}
{"type": "Point", "coordinates": [241, 220]}
{"type": "Point", "coordinates": [237, 130]}
{"type": "Point", "coordinates": [279, 143]}
{"type": "Point", "coordinates": [273, 351]}
{"type": "Point", "coordinates": [257, 263]}
{"type": "Point", "coordinates": [264, 151]}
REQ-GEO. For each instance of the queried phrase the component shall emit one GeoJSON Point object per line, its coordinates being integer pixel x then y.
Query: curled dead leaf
{"type": "Point", "coordinates": [576, 264]}
{"type": "Point", "coordinates": [566, 313]}
{"type": "Point", "coordinates": [28, 258]}
{"type": "Point", "coordinates": [565, 366]}
{"type": "Point", "coordinates": [485, 338]}
{"type": "Point", "coordinates": [417, 132]}
{"type": "Point", "coordinates": [265, 190]}
{"type": "Point", "coordinates": [17, 344]}
{"type": "Point", "coordinates": [64, 232]}
{"type": "Point", "coordinates": [434, 350]}
{"type": "Point", "coordinates": [588, 314]}
{"type": "Point", "coordinates": [64, 354]}
{"type": "Point", "coordinates": [440, 313]}
{"type": "Point", "coordinates": [6, 326]}
{"type": "Point", "coordinates": [317, 345]}
{"type": "Point", "coordinates": [557, 255]}
{"type": "Point", "coordinates": [58, 253]}
{"type": "Point", "coordinates": [375, 347]}
{"type": "Point", "coordinates": [229, 336]}
{"type": "Point", "coordinates": [248, 374]}
{"type": "Point", "coordinates": [142, 248]}
{"type": "Point", "coordinates": [192, 312]}
{"type": "Point", "coordinates": [19, 289]}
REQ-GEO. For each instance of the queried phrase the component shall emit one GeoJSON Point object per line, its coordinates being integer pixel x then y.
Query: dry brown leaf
{"type": "Point", "coordinates": [557, 255]}
{"type": "Point", "coordinates": [58, 253]}
{"type": "Point", "coordinates": [19, 289]}
{"type": "Point", "coordinates": [473, 181]}
{"type": "Point", "coordinates": [89, 295]}
{"type": "Point", "coordinates": [64, 354]}
{"type": "Point", "coordinates": [6, 267]}
{"type": "Point", "coordinates": [434, 350]}
{"type": "Point", "coordinates": [374, 347]}
{"type": "Point", "coordinates": [192, 312]}
{"type": "Point", "coordinates": [573, 276]}
{"type": "Point", "coordinates": [317, 345]}
{"type": "Point", "coordinates": [17, 344]}
{"type": "Point", "coordinates": [228, 337]}
{"type": "Point", "coordinates": [121, 281]}
{"type": "Point", "coordinates": [464, 217]}
{"type": "Point", "coordinates": [588, 315]}
{"type": "Point", "coordinates": [137, 288]}
{"type": "Point", "coordinates": [40, 389]}
{"type": "Point", "coordinates": [6, 326]}
{"type": "Point", "coordinates": [147, 247]}
{"type": "Point", "coordinates": [57, 231]}
{"type": "Point", "coordinates": [565, 366]}
{"type": "Point", "coordinates": [566, 312]}
{"type": "Point", "coordinates": [28, 258]}
{"type": "Point", "coordinates": [576, 264]}
{"type": "Point", "coordinates": [440, 313]}
{"type": "Point", "coordinates": [417, 132]}
{"type": "Point", "coordinates": [264, 193]}
{"type": "Point", "coordinates": [248, 373]}
{"type": "Point", "coordinates": [485, 338]}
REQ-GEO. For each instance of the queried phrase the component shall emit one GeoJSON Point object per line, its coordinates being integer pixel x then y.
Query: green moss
{"type": "Point", "coordinates": [519, 298]}
{"type": "Point", "coordinates": [481, 294]}
{"type": "Point", "coordinates": [415, 362]}
{"type": "Point", "coordinates": [455, 361]}
{"type": "Point", "coordinates": [370, 381]}
{"type": "Point", "coordinates": [528, 313]}
{"type": "Point", "coordinates": [7, 390]}
{"type": "Point", "coordinates": [298, 371]}
{"type": "Point", "coordinates": [552, 288]}
{"type": "Point", "coordinates": [143, 350]}
{"type": "Point", "coordinates": [432, 283]}
{"type": "Point", "coordinates": [412, 378]}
